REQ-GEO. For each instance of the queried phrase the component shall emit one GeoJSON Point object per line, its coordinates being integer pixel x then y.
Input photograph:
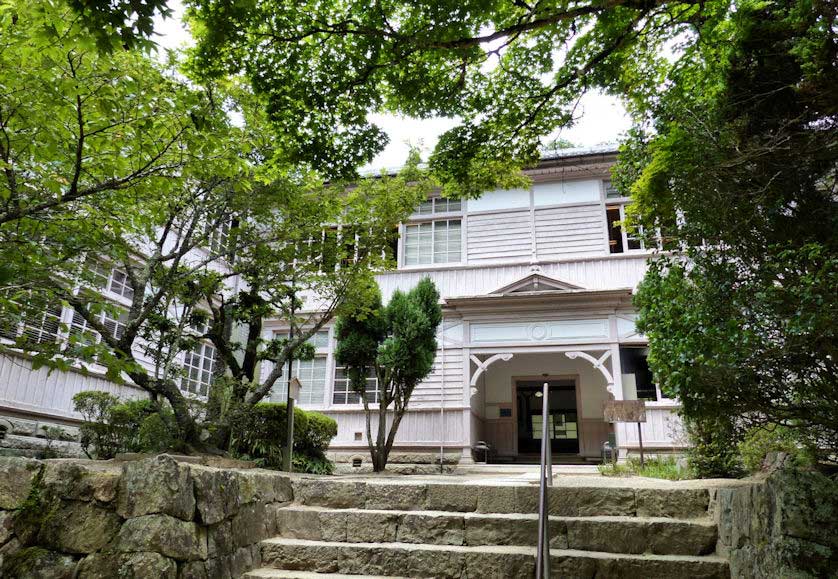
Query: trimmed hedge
{"type": "Point", "coordinates": [259, 434]}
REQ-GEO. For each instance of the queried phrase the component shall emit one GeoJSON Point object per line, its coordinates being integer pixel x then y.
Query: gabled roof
{"type": "Point", "coordinates": [536, 282]}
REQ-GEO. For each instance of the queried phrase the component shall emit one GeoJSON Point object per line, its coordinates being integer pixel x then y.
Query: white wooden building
{"type": "Point", "coordinates": [536, 284]}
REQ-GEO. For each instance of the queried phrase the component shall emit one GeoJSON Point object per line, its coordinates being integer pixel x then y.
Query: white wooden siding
{"type": "Point", "coordinates": [27, 390]}
{"type": "Point", "coordinates": [497, 237]}
{"type": "Point", "coordinates": [429, 392]}
{"type": "Point", "coordinates": [592, 273]}
{"type": "Point", "coordinates": [418, 428]}
{"type": "Point", "coordinates": [663, 429]}
{"type": "Point", "coordinates": [564, 231]}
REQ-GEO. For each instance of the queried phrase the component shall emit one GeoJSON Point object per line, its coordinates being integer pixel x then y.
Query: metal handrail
{"type": "Point", "coordinates": [542, 564]}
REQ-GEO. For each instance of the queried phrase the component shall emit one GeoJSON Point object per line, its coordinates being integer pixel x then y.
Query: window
{"type": "Point", "coordinates": [200, 366]}
{"type": "Point", "coordinates": [439, 205]}
{"type": "Point", "coordinates": [42, 328]}
{"type": "Point", "coordinates": [343, 393]}
{"type": "Point", "coordinates": [638, 383]}
{"type": "Point", "coordinates": [619, 240]}
{"type": "Point", "coordinates": [433, 242]}
{"type": "Point", "coordinates": [218, 241]}
{"type": "Point", "coordinates": [111, 279]}
{"type": "Point", "coordinates": [611, 191]}
{"type": "Point", "coordinates": [84, 335]}
{"type": "Point", "coordinates": [312, 376]}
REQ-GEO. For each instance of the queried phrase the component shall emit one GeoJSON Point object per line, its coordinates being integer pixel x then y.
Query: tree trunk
{"type": "Point", "coordinates": [380, 458]}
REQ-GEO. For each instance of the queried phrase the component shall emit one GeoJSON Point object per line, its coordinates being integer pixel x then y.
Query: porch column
{"type": "Point", "coordinates": [617, 375]}
{"type": "Point", "coordinates": [465, 457]}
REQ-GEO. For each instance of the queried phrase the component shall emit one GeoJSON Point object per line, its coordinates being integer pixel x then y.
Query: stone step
{"type": "Point", "coordinates": [416, 560]}
{"type": "Point", "coordinates": [270, 573]}
{"type": "Point", "coordinates": [614, 534]}
{"type": "Point", "coordinates": [671, 500]}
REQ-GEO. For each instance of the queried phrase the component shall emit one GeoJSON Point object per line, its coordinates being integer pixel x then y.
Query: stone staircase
{"type": "Point", "coordinates": [399, 528]}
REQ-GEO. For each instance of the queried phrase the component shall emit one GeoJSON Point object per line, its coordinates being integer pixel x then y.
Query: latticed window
{"type": "Point", "coordinates": [312, 376]}
{"type": "Point", "coordinates": [439, 205]}
{"type": "Point", "coordinates": [200, 366]}
{"type": "Point", "coordinates": [113, 280]}
{"type": "Point", "coordinates": [433, 242]}
{"type": "Point", "coordinates": [42, 328]}
{"type": "Point", "coordinates": [343, 393]}
{"type": "Point", "coordinates": [83, 334]}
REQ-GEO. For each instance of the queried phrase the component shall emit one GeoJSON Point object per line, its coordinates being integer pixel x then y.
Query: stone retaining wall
{"type": "Point", "coordinates": [148, 518]}
{"type": "Point", "coordinates": [784, 524]}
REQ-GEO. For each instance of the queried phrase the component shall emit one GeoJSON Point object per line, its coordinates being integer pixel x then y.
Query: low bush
{"type": "Point", "coordinates": [665, 467]}
{"type": "Point", "coordinates": [761, 440]}
{"type": "Point", "coordinates": [112, 426]}
{"type": "Point", "coordinates": [713, 451]}
{"type": "Point", "coordinates": [258, 434]}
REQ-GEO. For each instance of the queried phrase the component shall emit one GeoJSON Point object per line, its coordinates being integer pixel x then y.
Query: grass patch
{"type": "Point", "coordinates": [658, 467]}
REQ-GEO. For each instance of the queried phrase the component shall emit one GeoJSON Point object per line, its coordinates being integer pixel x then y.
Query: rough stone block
{"type": "Point", "coordinates": [326, 493]}
{"type": "Point", "coordinates": [432, 529]}
{"type": "Point", "coordinates": [216, 493]}
{"type": "Point", "coordinates": [403, 497]}
{"type": "Point", "coordinates": [428, 563]}
{"type": "Point", "coordinates": [677, 504]}
{"type": "Point", "coordinates": [496, 499]}
{"type": "Point", "coordinates": [16, 482]}
{"type": "Point", "coordinates": [220, 539]}
{"type": "Point", "coordinates": [156, 485]}
{"type": "Point", "coordinates": [81, 481]}
{"type": "Point", "coordinates": [79, 527]}
{"type": "Point", "coordinates": [499, 564]}
{"type": "Point", "coordinates": [448, 497]}
{"type": "Point", "coordinates": [172, 537]}
{"type": "Point", "coordinates": [296, 524]}
{"type": "Point", "coordinates": [7, 519]}
{"type": "Point", "coordinates": [127, 566]}
{"type": "Point", "coordinates": [248, 526]}
{"type": "Point", "coordinates": [369, 527]}
{"type": "Point", "coordinates": [39, 563]}
{"type": "Point", "coordinates": [591, 501]}
{"type": "Point", "coordinates": [314, 558]}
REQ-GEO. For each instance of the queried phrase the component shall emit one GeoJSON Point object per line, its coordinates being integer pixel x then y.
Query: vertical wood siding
{"type": "Point", "coordinates": [563, 231]}
{"type": "Point", "coordinates": [499, 237]}
{"type": "Point", "coordinates": [663, 429]}
{"type": "Point", "coordinates": [418, 428]}
{"type": "Point", "coordinates": [25, 389]}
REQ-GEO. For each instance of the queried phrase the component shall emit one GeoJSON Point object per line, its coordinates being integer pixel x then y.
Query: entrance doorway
{"type": "Point", "coordinates": [562, 415]}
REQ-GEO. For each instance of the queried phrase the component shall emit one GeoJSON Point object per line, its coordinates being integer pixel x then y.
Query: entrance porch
{"type": "Point", "coordinates": [506, 406]}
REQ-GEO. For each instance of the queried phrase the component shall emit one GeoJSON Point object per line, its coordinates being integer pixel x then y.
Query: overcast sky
{"type": "Point", "coordinates": [601, 118]}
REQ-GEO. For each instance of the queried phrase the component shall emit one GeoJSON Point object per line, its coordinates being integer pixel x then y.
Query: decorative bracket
{"type": "Point", "coordinates": [482, 366]}
{"type": "Point", "coordinates": [598, 363]}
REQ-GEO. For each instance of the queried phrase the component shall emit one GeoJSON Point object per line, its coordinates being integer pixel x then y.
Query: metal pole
{"type": "Point", "coordinates": [542, 568]}
{"type": "Point", "coordinates": [640, 440]}
{"type": "Point", "coordinates": [289, 401]}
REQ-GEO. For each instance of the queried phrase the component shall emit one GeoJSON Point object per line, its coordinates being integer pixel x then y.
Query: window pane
{"type": "Point", "coordinates": [615, 234]}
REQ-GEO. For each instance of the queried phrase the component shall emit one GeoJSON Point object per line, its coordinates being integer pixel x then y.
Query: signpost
{"type": "Point", "coordinates": [294, 386]}
{"type": "Point", "coordinates": [627, 411]}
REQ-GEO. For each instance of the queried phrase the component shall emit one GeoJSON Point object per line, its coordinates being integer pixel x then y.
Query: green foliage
{"type": "Point", "coordinates": [397, 343]}
{"type": "Point", "coordinates": [761, 440]}
{"type": "Point", "coordinates": [736, 162]}
{"type": "Point", "coordinates": [258, 433]}
{"type": "Point", "coordinates": [664, 467]}
{"type": "Point", "coordinates": [112, 426]}
{"type": "Point", "coordinates": [713, 452]}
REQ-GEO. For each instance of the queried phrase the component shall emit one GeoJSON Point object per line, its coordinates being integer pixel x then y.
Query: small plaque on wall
{"type": "Point", "coordinates": [506, 413]}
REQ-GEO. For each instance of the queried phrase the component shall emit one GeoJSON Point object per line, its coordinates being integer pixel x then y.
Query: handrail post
{"type": "Point", "coordinates": [542, 564]}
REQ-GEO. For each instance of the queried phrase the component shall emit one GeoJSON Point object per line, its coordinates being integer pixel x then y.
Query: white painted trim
{"type": "Point", "coordinates": [482, 366]}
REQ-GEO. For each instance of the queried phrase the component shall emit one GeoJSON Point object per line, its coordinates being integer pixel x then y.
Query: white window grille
{"type": "Point", "coordinates": [343, 393]}
{"type": "Point", "coordinates": [439, 205]}
{"type": "Point", "coordinates": [312, 376]}
{"type": "Point", "coordinates": [433, 242]}
{"type": "Point", "coordinates": [200, 367]}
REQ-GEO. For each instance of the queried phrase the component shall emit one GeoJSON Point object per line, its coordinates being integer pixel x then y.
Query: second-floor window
{"type": "Point", "coordinates": [200, 367]}
{"type": "Point", "coordinates": [619, 241]}
{"type": "Point", "coordinates": [433, 242]}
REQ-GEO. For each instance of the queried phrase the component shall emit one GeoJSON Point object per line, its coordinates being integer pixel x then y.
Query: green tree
{"type": "Point", "coordinates": [397, 344]}
{"type": "Point", "coordinates": [303, 262]}
{"type": "Point", "coordinates": [738, 163]}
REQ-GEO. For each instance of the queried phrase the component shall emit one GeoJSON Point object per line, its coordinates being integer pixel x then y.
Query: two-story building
{"type": "Point", "coordinates": [536, 284]}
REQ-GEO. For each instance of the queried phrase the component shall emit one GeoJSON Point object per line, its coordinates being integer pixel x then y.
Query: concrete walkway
{"type": "Point", "coordinates": [563, 476]}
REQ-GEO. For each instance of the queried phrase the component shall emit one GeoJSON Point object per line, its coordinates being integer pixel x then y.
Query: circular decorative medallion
{"type": "Point", "coordinates": [538, 332]}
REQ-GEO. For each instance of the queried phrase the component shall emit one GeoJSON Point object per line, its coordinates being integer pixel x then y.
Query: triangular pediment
{"type": "Point", "coordinates": [536, 282]}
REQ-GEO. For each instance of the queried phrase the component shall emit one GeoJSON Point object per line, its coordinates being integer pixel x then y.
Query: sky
{"type": "Point", "coordinates": [600, 118]}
